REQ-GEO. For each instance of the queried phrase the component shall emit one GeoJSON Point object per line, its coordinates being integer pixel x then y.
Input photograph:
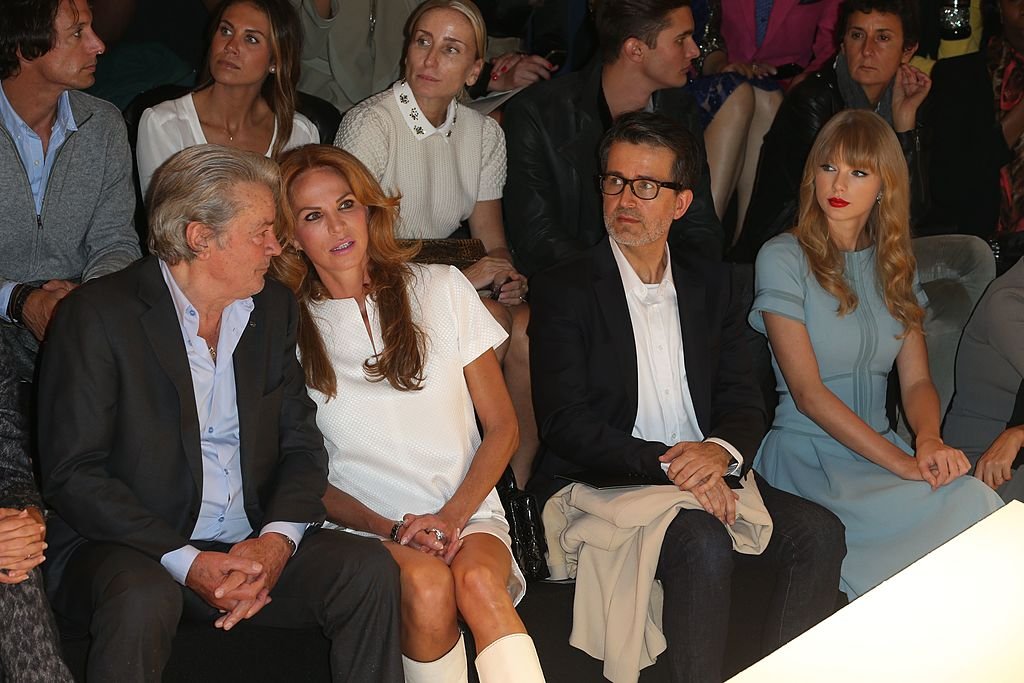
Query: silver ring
{"type": "Point", "coordinates": [438, 534]}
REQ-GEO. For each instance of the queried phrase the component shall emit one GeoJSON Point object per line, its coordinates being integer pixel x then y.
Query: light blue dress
{"type": "Point", "coordinates": [890, 522]}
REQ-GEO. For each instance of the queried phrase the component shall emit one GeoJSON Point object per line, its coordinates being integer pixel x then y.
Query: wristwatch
{"type": "Point", "coordinates": [396, 529]}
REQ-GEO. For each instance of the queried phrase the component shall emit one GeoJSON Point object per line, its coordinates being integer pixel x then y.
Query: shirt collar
{"type": "Point", "coordinates": [636, 287]}
{"type": "Point", "coordinates": [13, 121]}
{"type": "Point", "coordinates": [416, 120]}
{"type": "Point", "coordinates": [188, 317]}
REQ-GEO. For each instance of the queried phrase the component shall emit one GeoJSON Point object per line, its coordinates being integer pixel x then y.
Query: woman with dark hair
{"type": "Point", "coordinates": [29, 644]}
{"type": "Point", "coordinates": [447, 161]}
{"type": "Point", "coordinates": [839, 300]}
{"type": "Point", "coordinates": [246, 97]}
{"type": "Point", "coordinates": [876, 40]}
{"type": "Point", "coordinates": [400, 361]}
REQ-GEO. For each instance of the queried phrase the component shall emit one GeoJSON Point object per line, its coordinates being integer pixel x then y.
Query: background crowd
{"type": "Point", "coordinates": [335, 266]}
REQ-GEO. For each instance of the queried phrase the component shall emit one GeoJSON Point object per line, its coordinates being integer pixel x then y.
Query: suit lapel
{"type": "Point", "coordinates": [161, 326]}
{"type": "Point", "coordinates": [611, 301]}
{"type": "Point", "coordinates": [249, 388]}
{"type": "Point", "coordinates": [693, 321]}
{"type": "Point", "coordinates": [780, 9]}
{"type": "Point", "coordinates": [746, 10]}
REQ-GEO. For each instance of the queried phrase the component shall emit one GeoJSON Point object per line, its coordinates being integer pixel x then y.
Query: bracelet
{"type": "Point", "coordinates": [16, 304]}
{"type": "Point", "coordinates": [395, 529]}
{"type": "Point", "coordinates": [288, 539]}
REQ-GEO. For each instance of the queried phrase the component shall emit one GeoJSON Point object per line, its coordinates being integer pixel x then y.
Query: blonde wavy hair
{"type": "Point", "coordinates": [401, 360]}
{"type": "Point", "coordinates": [863, 139]}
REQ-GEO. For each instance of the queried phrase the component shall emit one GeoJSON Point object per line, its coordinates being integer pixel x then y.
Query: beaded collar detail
{"type": "Point", "coordinates": [416, 120]}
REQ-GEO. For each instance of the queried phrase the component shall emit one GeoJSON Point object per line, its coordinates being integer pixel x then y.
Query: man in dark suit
{"type": "Point", "coordinates": [641, 366]}
{"type": "Point", "coordinates": [552, 206]}
{"type": "Point", "coordinates": [180, 450]}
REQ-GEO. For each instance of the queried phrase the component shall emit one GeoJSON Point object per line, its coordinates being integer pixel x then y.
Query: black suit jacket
{"type": "Point", "coordinates": [552, 205]}
{"type": "Point", "coordinates": [968, 147]}
{"type": "Point", "coordinates": [119, 432]}
{"type": "Point", "coordinates": [584, 367]}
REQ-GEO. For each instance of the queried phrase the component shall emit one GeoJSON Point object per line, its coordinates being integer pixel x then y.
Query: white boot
{"type": "Point", "coordinates": [451, 668]}
{"type": "Point", "coordinates": [510, 659]}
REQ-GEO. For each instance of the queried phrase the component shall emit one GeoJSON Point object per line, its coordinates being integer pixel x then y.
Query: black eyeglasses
{"type": "Point", "coordinates": [642, 188]}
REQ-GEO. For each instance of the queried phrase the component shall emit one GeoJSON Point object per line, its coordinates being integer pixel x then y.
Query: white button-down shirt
{"type": "Point", "coordinates": [664, 405]}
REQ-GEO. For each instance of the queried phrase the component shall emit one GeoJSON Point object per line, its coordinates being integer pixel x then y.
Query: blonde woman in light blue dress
{"type": "Point", "coordinates": [839, 300]}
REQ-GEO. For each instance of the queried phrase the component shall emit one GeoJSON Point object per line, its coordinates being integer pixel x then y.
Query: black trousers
{"type": "Point", "coordinates": [346, 585]}
{"type": "Point", "coordinates": [806, 552]}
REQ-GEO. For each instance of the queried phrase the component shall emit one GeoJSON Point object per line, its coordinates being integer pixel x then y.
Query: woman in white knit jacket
{"type": "Point", "coordinates": [448, 163]}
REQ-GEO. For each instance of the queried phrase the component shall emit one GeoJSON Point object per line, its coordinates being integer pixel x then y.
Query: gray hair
{"type": "Point", "coordinates": [196, 184]}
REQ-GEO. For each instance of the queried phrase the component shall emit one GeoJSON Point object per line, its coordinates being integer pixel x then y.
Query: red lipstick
{"type": "Point", "coordinates": [837, 203]}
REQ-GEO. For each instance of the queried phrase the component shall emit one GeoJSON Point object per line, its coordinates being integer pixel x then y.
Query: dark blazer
{"type": "Point", "coordinates": [584, 367]}
{"type": "Point", "coordinates": [119, 432]}
{"type": "Point", "coordinates": [787, 144]}
{"type": "Point", "coordinates": [968, 149]}
{"type": "Point", "coordinates": [552, 205]}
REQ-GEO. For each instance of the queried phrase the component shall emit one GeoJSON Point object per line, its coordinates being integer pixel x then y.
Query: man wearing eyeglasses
{"type": "Point", "coordinates": [641, 367]}
{"type": "Point", "coordinates": [552, 207]}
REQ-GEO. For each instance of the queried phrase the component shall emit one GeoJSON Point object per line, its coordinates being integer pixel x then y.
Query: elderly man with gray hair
{"type": "Point", "coordinates": [180, 450]}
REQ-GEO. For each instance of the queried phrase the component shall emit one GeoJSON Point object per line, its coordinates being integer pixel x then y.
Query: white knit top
{"type": "Point", "coordinates": [441, 173]}
{"type": "Point", "coordinates": [173, 125]}
{"type": "Point", "coordinates": [402, 452]}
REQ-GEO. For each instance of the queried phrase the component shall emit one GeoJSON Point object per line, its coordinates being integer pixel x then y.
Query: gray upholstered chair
{"type": "Point", "coordinates": [954, 271]}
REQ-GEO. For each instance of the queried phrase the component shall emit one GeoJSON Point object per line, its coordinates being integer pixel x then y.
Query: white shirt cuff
{"type": "Point", "coordinates": [293, 530]}
{"type": "Point", "coordinates": [734, 469]}
{"type": "Point", "coordinates": [737, 466]}
{"type": "Point", "coordinates": [179, 562]}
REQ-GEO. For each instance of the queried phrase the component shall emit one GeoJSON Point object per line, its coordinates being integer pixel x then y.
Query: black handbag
{"type": "Point", "coordinates": [525, 527]}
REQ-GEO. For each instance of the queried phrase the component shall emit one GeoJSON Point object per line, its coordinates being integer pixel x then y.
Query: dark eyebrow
{"type": "Point", "coordinates": [247, 30]}
{"type": "Point", "coordinates": [639, 177]}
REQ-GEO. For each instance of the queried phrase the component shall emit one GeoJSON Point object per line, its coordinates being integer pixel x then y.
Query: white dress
{"type": "Point", "coordinates": [401, 452]}
{"type": "Point", "coordinates": [441, 172]}
{"type": "Point", "coordinates": [173, 125]}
